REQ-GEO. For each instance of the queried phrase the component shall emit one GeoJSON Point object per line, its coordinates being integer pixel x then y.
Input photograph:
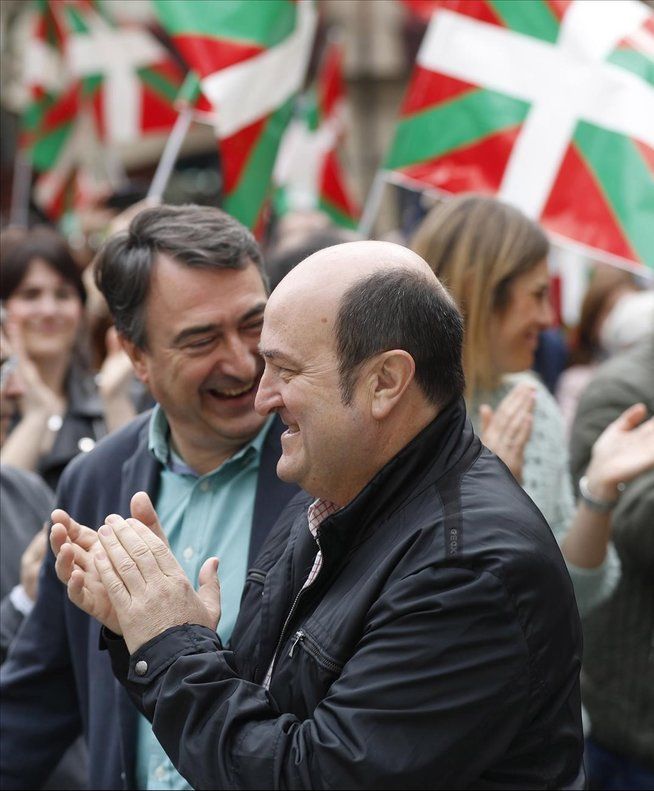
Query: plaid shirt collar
{"type": "Point", "coordinates": [319, 510]}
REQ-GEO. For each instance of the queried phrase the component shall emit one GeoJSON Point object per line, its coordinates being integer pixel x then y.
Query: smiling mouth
{"type": "Point", "coordinates": [234, 392]}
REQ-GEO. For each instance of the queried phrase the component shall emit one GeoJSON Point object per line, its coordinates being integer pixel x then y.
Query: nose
{"type": "Point", "coordinates": [546, 314]}
{"type": "Point", "coordinates": [268, 398]}
{"type": "Point", "coordinates": [238, 360]}
{"type": "Point", "coordinates": [47, 304]}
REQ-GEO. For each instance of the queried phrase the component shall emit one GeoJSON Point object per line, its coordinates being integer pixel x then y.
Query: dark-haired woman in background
{"type": "Point", "coordinates": [60, 412]}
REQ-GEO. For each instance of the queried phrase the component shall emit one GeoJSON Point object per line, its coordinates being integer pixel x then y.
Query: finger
{"type": "Point", "coordinates": [523, 432]}
{"type": "Point", "coordinates": [518, 427]}
{"type": "Point", "coordinates": [117, 592]}
{"type": "Point", "coordinates": [65, 564]}
{"type": "Point", "coordinates": [518, 398]}
{"type": "Point", "coordinates": [165, 559]}
{"type": "Point", "coordinates": [136, 547]}
{"type": "Point", "coordinates": [78, 533]}
{"type": "Point", "coordinates": [111, 341]}
{"type": "Point", "coordinates": [124, 565]}
{"type": "Point", "coordinates": [209, 589]}
{"type": "Point", "coordinates": [142, 509]}
{"type": "Point", "coordinates": [58, 537]}
{"type": "Point", "coordinates": [631, 417]}
{"type": "Point", "coordinates": [485, 417]}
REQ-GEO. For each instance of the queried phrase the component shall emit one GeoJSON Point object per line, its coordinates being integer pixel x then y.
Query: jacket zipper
{"type": "Point", "coordinates": [312, 648]}
{"type": "Point", "coordinates": [288, 619]}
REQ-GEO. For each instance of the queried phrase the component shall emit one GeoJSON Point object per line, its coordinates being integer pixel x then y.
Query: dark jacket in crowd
{"type": "Point", "coordinates": [83, 425]}
{"type": "Point", "coordinates": [439, 647]}
{"type": "Point", "coordinates": [56, 683]}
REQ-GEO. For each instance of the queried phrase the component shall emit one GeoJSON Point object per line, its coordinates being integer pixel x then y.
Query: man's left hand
{"type": "Point", "coordinates": [146, 585]}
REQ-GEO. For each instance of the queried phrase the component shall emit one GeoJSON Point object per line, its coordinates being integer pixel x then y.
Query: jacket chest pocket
{"type": "Point", "coordinates": [305, 671]}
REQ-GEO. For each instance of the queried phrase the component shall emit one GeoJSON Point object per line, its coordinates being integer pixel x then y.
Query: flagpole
{"type": "Point", "coordinates": [373, 203]}
{"type": "Point", "coordinates": [170, 153]}
{"type": "Point", "coordinates": [20, 190]}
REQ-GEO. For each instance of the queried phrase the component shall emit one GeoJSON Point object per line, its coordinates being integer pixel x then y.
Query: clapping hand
{"type": "Point", "coordinates": [75, 546]}
{"type": "Point", "coordinates": [622, 451]}
{"type": "Point", "coordinates": [506, 430]}
{"type": "Point", "coordinates": [147, 588]}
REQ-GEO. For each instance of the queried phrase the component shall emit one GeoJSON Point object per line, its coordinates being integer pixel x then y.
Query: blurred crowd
{"type": "Point", "coordinates": [569, 438]}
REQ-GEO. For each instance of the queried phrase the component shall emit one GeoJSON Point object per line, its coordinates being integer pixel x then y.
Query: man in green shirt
{"type": "Point", "coordinates": [187, 291]}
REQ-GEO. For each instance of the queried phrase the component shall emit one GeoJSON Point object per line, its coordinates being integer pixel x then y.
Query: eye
{"type": "Point", "coordinates": [29, 293]}
{"type": "Point", "coordinates": [65, 292]}
{"type": "Point", "coordinates": [200, 344]}
{"type": "Point", "coordinates": [253, 327]}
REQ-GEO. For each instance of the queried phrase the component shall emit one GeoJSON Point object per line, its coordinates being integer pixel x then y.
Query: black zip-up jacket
{"type": "Point", "coordinates": [438, 648]}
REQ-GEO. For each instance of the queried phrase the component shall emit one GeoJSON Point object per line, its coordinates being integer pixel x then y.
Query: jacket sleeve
{"type": "Point", "coordinates": [40, 715]}
{"type": "Point", "coordinates": [442, 663]}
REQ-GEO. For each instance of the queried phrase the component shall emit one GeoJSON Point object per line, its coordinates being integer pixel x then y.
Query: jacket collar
{"type": "Point", "coordinates": [429, 455]}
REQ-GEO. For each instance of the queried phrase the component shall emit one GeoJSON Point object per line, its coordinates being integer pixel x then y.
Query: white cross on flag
{"type": "Point", "coordinates": [549, 104]}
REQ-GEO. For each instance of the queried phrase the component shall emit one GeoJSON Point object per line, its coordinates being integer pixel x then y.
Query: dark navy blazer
{"type": "Point", "coordinates": [56, 682]}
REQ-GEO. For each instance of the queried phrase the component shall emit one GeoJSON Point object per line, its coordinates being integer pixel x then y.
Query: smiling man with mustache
{"type": "Point", "coordinates": [186, 289]}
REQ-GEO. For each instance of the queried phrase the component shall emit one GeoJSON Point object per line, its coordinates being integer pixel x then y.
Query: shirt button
{"type": "Point", "coordinates": [204, 486]}
{"type": "Point", "coordinates": [141, 667]}
{"type": "Point", "coordinates": [86, 444]}
{"type": "Point", "coordinates": [188, 553]}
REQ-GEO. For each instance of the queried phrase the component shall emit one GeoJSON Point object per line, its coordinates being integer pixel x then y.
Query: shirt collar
{"type": "Point", "coordinates": [160, 447]}
{"type": "Point", "coordinates": [319, 510]}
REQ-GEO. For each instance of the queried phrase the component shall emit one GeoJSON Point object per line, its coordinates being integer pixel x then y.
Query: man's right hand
{"type": "Point", "coordinates": [75, 547]}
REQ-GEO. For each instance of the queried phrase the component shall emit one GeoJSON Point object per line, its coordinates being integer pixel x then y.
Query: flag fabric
{"type": "Point", "coordinates": [125, 74]}
{"type": "Point", "coordinates": [251, 58]}
{"type": "Point", "coordinates": [549, 104]}
{"type": "Point", "coordinates": [53, 98]}
{"type": "Point", "coordinates": [80, 65]}
{"type": "Point", "coordinates": [308, 172]}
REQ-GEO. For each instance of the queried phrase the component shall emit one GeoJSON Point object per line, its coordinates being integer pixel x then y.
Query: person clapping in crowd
{"type": "Point", "coordinates": [617, 672]}
{"type": "Point", "coordinates": [494, 262]}
{"type": "Point", "coordinates": [60, 410]}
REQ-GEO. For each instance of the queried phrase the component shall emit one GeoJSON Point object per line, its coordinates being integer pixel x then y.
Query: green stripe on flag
{"type": "Point", "coordinates": [46, 151]}
{"type": "Point", "coordinates": [76, 20]}
{"type": "Point", "coordinates": [91, 84]}
{"type": "Point", "coordinates": [159, 83]}
{"type": "Point", "coordinates": [454, 124]}
{"type": "Point", "coordinates": [338, 216]}
{"type": "Point", "coordinates": [246, 200]}
{"type": "Point", "coordinates": [531, 17]}
{"type": "Point", "coordinates": [262, 22]}
{"type": "Point", "coordinates": [635, 62]}
{"type": "Point", "coordinates": [627, 183]}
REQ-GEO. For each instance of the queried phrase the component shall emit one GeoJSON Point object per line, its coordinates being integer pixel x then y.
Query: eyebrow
{"type": "Point", "coordinates": [276, 354]}
{"type": "Point", "coordinates": [203, 329]}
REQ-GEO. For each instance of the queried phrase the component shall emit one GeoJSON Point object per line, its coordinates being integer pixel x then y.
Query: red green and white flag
{"type": "Point", "coordinates": [125, 73]}
{"type": "Point", "coordinates": [308, 172]}
{"type": "Point", "coordinates": [251, 58]}
{"type": "Point", "coordinates": [52, 95]}
{"type": "Point", "coordinates": [549, 104]}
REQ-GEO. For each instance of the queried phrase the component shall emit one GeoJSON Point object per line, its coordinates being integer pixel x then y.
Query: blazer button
{"type": "Point", "coordinates": [141, 667]}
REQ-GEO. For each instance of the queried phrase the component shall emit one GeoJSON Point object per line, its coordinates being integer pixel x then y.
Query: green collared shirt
{"type": "Point", "coordinates": [202, 515]}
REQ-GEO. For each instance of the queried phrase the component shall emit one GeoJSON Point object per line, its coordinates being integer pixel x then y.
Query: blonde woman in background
{"type": "Point", "coordinates": [493, 260]}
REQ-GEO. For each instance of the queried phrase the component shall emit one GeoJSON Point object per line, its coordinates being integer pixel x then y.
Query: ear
{"type": "Point", "coordinates": [392, 372]}
{"type": "Point", "coordinates": [137, 356]}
